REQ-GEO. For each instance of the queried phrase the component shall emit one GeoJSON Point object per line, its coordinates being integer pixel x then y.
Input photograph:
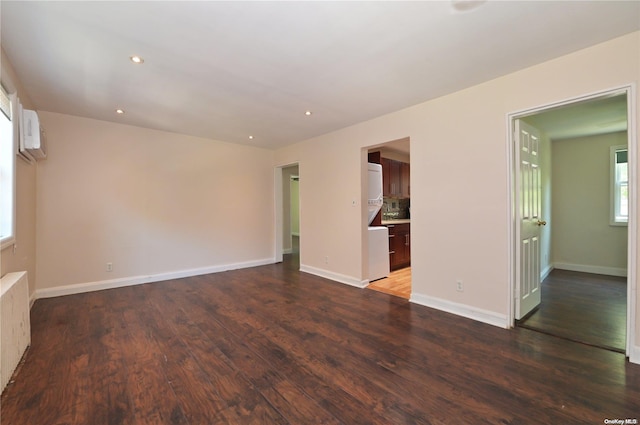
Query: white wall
{"type": "Point", "coordinates": [459, 180]}
{"type": "Point", "coordinates": [150, 202]}
{"type": "Point", "coordinates": [583, 239]}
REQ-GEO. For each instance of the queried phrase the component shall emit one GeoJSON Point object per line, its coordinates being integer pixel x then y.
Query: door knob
{"type": "Point", "coordinates": [541, 223]}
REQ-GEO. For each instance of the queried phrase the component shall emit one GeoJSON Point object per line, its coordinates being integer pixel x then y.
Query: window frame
{"type": "Point", "coordinates": [10, 239]}
{"type": "Point", "coordinates": [615, 219]}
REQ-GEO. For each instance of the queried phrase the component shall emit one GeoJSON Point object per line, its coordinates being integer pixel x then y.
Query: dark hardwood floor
{"type": "Point", "coordinates": [583, 307]}
{"type": "Point", "coordinates": [271, 345]}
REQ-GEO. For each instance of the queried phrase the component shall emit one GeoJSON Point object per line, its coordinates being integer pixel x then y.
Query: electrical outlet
{"type": "Point", "coordinates": [326, 259]}
{"type": "Point", "coordinates": [109, 267]}
{"type": "Point", "coordinates": [459, 286]}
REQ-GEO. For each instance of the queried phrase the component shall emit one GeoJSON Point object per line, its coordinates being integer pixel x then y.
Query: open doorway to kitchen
{"type": "Point", "coordinates": [394, 216]}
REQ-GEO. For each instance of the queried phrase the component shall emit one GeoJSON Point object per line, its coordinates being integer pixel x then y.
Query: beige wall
{"type": "Point", "coordinates": [459, 179]}
{"type": "Point", "coordinates": [150, 202]}
{"type": "Point", "coordinates": [582, 238]}
{"type": "Point", "coordinates": [24, 257]}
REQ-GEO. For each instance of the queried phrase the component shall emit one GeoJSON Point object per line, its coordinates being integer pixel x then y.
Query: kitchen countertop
{"type": "Point", "coordinates": [398, 221]}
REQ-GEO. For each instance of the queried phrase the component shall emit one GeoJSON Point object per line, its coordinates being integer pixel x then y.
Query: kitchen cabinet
{"type": "Point", "coordinates": [395, 178]}
{"type": "Point", "coordinates": [405, 188]}
{"type": "Point", "coordinates": [399, 245]}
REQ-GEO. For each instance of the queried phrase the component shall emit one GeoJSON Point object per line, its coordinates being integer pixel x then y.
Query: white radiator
{"type": "Point", "coordinates": [15, 326]}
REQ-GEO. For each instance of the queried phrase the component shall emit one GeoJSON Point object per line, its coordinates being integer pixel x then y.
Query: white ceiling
{"type": "Point", "coordinates": [227, 70]}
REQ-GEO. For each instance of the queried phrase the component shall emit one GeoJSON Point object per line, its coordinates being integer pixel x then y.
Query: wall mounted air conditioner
{"type": "Point", "coordinates": [33, 139]}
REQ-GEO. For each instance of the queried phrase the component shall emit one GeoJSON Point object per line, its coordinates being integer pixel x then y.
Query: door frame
{"type": "Point", "coordinates": [279, 209]}
{"type": "Point", "coordinates": [513, 227]}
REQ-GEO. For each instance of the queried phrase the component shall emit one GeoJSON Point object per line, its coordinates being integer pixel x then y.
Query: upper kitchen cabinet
{"type": "Point", "coordinates": [395, 178]}
{"type": "Point", "coordinates": [405, 187]}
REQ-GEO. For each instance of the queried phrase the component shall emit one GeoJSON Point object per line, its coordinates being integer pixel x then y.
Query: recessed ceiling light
{"type": "Point", "coordinates": [119, 111]}
{"type": "Point", "coordinates": [136, 59]}
{"type": "Point", "coordinates": [251, 137]}
{"type": "Point", "coordinates": [308, 113]}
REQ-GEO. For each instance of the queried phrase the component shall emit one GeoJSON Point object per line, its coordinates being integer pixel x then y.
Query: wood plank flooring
{"type": "Point", "coordinates": [583, 307]}
{"type": "Point", "coordinates": [398, 283]}
{"type": "Point", "coordinates": [271, 345]}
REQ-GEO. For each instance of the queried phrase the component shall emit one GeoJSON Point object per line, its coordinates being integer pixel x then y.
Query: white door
{"type": "Point", "coordinates": [529, 199]}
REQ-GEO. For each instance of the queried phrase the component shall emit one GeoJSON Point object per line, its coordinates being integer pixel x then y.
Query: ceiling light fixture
{"type": "Point", "coordinates": [136, 59]}
{"type": "Point", "coordinates": [308, 113]}
{"type": "Point", "coordinates": [466, 5]}
{"type": "Point", "coordinates": [251, 137]}
{"type": "Point", "coordinates": [119, 111]}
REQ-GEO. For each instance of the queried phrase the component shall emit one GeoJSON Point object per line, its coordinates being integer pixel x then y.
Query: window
{"type": "Point", "coordinates": [619, 186]}
{"type": "Point", "coordinates": [7, 171]}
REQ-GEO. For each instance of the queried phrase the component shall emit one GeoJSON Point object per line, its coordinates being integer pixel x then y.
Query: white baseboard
{"type": "Point", "coordinates": [545, 272]}
{"type": "Point", "coordinates": [609, 271]}
{"type": "Point", "coordinates": [634, 355]}
{"type": "Point", "coordinates": [478, 314]}
{"type": "Point", "coordinates": [79, 288]}
{"type": "Point", "coordinates": [334, 276]}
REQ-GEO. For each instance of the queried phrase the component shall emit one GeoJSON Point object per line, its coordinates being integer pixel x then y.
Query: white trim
{"type": "Point", "coordinates": [545, 273]}
{"type": "Point", "coordinates": [80, 288]}
{"type": "Point", "coordinates": [278, 213]}
{"type": "Point", "coordinates": [608, 271]}
{"type": "Point", "coordinates": [464, 310]}
{"type": "Point", "coordinates": [10, 240]}
{"type": "Point", "coordinates": [634, 354]}
{"type": "Point", "coordinates": [632, 229]}
{"type": "Point", "coordinates": [337, 277]}
{"type": "Point", "coordinates": [632, 240]}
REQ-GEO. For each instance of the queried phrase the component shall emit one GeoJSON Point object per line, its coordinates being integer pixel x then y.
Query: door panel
{"type": "Point", "coordinates": [529, 199]}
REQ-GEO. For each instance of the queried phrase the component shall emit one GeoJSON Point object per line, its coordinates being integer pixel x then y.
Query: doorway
{"type": "Point", "coordinates": [287, 188]}
{"type": "Point", "coordinates": [395, 215]}
{"type": "Point", "coordinates": [579, 286]}
{"type": "Point", "coordinates": [292, 251]}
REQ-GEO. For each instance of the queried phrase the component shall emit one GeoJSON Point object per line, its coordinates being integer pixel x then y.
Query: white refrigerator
{"type": "Point", "coordinates": [378, 235]}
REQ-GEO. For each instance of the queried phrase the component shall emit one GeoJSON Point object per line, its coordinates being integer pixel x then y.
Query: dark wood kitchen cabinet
{"type": "Point", "coordinates": [395, 178]}
{"type": "Point", "coordinates": [405, 188]}
{"type": "Point", "coordinates": [399, 245]}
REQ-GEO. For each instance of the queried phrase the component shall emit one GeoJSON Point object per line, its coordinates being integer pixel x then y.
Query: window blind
{"type": "Point", "coordinates": [621, 157]}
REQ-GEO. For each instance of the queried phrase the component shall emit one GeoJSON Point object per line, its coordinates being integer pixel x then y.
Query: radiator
{"type": "Point", "coordinates": [15, 326]}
